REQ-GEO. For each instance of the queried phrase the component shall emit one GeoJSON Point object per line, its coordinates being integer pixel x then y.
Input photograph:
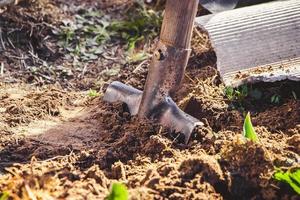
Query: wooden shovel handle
{"type": "Point", "coordinates": [168, 64]}
{"type": "Point", "coordinates": [178, 22]}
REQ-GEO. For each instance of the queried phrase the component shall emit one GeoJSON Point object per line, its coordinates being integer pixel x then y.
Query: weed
{"type": "Point", "coordinates": [291, 177]}
{"type": "Point", "coordinates": [248, 129]}
{"type": "Point", "coordinates": [93, 93]}
{"type": "Point", "coordinates": [294, 95]}
{"type": "Point", "coordinates": [275, 99]}
{"type": "Point", "coordinates": [136, 57]}
{"type": "Point", "coordinates": [141, 25]}
{"type": "Point", "coordinates": [118, 192]}
{"type": "Point", "coordinates": [4, 196]}
{"type": "Point", "coordinates": [242, 92]}
{"type": "Point", "coordinates": [83, 37]}
{"type": "Point", "coordinates": [229, 93]}
{"type": "Point", "coordinates": [237, 96]}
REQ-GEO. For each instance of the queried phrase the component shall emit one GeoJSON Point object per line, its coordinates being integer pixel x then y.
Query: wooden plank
{"type": "Point", "coordinates": [256, 43]}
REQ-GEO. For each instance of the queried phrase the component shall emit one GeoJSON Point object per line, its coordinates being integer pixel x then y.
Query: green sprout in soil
{"type": "Point", "coordinates": [229, 93]}
{"type": "Point", "coordinates": [142, 25]}
{"type": "Point", "coordinates": [275, 99]}
{"type": "Point", "coordinates": [294, 95]}
{"type": "Point", "coordinates": [87, 36]}
{"type": "Point", "coordinates": [83, 37]}
{"type": "Point", "coordinates": [93, 93]}
{"type": "Point", "coordinates": [291, 177]}
{"type": "Point", "coordinates": [237, 96]}
{"type": "Point", "coordinates": [118, 192]}
{"type": "Point", "coordinates": [248, 129]}
{"type": "Point", "coordinates": [136, 57]}
{"type": "Point", "coordinates": [4, 196]}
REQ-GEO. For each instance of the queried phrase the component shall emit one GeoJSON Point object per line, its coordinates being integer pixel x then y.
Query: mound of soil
{"type": "Point", "coordinates": [64, 143]}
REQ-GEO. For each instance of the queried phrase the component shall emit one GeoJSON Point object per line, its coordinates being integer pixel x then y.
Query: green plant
{"type": "Point", "coordinates": [83, 37]}
{"type": "Point", "coordinates": [291, 177]}
{"type": "Point", "coordinates": [248, 129]}
{"type": "Point", "coordinates": [275, 99]}
{"type": "Point", "coordinates": [229, 93]}
{"type": "Point", "coordinates": [141, 25]}
{"type": "Point", "coordinates": [294, 95]}
{"type": "Point", "coordinates": [236, 94]}
{"type": "Point", "coordinates": [93, 93]}
{"type": "Point", "coordinates": [136, 57]}
{"type": "Point", "coordinates": [4, 196]}
{"type": "Point", "coordinates": [242, 92]}
{"type": "Point", "coordinates": [86, 36]}
{"type": "Point", "coordinates": [118, 192]}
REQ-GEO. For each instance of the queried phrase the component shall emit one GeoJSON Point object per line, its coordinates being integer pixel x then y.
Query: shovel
{"type": "Point", "coordinates": [166, 72]}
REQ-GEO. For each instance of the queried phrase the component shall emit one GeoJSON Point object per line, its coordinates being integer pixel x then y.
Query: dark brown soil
{"type": "Point", "coordinates": [58, 142]}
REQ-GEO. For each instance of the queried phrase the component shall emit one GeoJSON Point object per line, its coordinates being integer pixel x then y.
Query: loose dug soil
{"type": "Point", "coordinates": [57, 142]}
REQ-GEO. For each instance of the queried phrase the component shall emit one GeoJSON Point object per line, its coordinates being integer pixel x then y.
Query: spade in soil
{"type": "Point", "coordinates": [165, 73]}
{"type": "Point", "coordinates": [245, 49]}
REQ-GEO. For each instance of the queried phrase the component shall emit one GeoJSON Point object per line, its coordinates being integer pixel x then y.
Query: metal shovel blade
{"type": "Point", "coordinates": [171, 116]}
{"type": "Point", "coordinates": [119, 92]}
{"type": "Point", "coordinates": [167, 113]}
{"type": "Point", "coordinates": [215, 6]}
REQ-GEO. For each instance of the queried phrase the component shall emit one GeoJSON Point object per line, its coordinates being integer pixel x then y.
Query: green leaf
{"type": "Point", "coordinates": [4, 196]}
{"type": "Point", "coordinates": [244, 90]}
{"type": "Point", "coordinates": [136, 57]}
{"type": "Point", "coordinates": [289, 177]}
{"type": "Point", "coordinates": [229, 92]}
{"type": "Point", "coordinates": [93, 93]}
{"type": "Point", "coordinates": [294, 95]}
{"type": "Point", "coordinates": [275, 99]}
{"type": "Point", "coordinates": [248, 129]}
{"type": "Point", "coordinates": [118, 192]}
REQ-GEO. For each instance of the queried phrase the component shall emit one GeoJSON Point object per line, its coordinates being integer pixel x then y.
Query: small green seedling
{"type": "Point", "coordinates": [275, 99]}
{"type": "Point", "coordinates": [248, 129]}
{"type": "Point", "coordinates": [4, 196]}
{"type": "Point", "coordinates": [93, 93]}
{"type": "Point", "coordinates": [136, 57]}
{"type": "Point", "coordinates": [141, 25]}
{"type": "Point", "coordinates": [118, 192]}
{"type": "Point", "coordinates": [229, 93]}
{"type": "Point", "coordinates": [294, 95]}
{"type": "Point", "coordinates": [242, 92]}
{"type": "Point", "coordinates": [290, 177]}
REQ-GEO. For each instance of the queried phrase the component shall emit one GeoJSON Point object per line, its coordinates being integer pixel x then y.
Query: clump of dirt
{"type": "Point", "coordinates": [294, 143]}
{"type": "Point", "coordinates": [128, 140]}
{"type": "Point", "coordinates": [28, 27]}
{"type": "Point", "coordinates": [18, 108]}
{"type": "Point", "coordinates": [55, 178]}
{"type": "Point", "coordinates": [27, 41]}
{"type": "Point", "coordinates": [248, 165]}
{"type": "Point", "coordinates": [202, 51]}
{"type": "Point", "coordinates": [206, 101]}
{"type": "Point", "coordinates": [181, 176]}
{"type": "Point", "coordinates": [287, 116]}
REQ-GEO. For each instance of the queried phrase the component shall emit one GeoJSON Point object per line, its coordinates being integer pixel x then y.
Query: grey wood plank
{"type": "Point", "coordinates": [256, 43]}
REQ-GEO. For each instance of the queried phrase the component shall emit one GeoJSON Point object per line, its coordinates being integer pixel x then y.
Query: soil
{"type": "Point", "coordinates": [59, 142]}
